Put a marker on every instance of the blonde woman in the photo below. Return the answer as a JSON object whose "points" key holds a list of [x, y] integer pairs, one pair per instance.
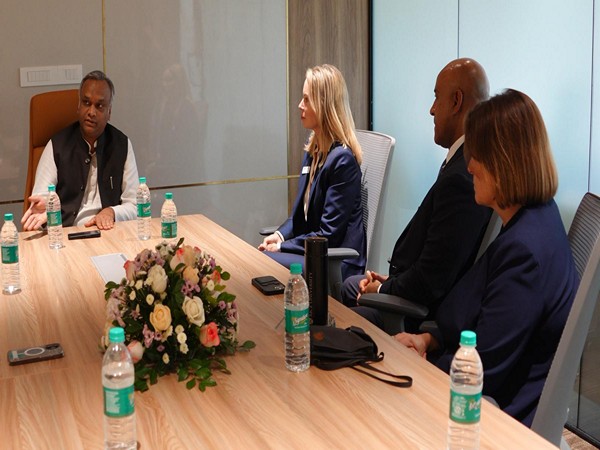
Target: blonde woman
{"points": [[328, 203]]}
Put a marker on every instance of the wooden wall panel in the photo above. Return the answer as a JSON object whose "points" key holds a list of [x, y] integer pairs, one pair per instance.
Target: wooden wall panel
{"points": [[319, 32]]}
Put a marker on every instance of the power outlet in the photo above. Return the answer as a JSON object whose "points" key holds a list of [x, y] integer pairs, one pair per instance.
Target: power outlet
{"points": [[51, 75]]}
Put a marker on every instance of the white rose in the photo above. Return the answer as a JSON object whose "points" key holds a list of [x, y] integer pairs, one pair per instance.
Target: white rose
{"points": [[210, 285], [136, 349], [183, 348], [132, 295], [165, 358], [194, 310], [181, 338], [157, 279], [138, 284], [150, 299], [178, 329]]}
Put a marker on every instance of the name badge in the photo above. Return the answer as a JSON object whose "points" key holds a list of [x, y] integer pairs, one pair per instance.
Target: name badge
{"points": [[305, 169]]}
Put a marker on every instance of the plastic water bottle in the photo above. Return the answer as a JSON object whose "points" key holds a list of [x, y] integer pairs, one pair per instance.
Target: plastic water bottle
{"points": [[117, 382], [11, 283], [168, 217], [297, 321], [144, 210], [55, 231], [466, 383]]}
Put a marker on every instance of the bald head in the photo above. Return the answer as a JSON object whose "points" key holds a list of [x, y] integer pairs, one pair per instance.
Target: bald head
{"points": [[468, 75], [460, 86]]}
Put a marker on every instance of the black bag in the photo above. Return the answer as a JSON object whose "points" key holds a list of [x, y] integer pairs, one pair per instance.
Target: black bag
{"points": [[332, 348]]}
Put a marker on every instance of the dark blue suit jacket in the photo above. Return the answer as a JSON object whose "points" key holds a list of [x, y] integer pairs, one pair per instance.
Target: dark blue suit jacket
{"points": [[516, 298], [441, 241], [334, 211]]}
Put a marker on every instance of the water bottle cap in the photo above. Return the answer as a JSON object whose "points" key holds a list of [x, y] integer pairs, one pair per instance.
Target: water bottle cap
{"points": [[142, 180], [295, 268], [468, 338], [116, 334], [168, 195], [8, 216], [51, 188]]}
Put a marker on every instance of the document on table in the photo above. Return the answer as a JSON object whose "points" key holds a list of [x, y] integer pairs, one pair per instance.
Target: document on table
{"points": [[110, 267]]}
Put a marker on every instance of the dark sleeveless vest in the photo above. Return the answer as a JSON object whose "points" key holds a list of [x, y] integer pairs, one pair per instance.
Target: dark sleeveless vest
{"points": [[72, 159]]}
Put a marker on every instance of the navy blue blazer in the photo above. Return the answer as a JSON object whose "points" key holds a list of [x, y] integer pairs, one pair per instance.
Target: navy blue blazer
{"points": [[334, 211], [441, 241], [516, 298]]}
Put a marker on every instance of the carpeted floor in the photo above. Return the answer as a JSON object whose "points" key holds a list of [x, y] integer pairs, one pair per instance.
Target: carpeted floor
{"points": [[576, 443]]}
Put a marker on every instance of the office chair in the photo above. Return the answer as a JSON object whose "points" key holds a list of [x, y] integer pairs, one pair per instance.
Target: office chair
{"points": [[377, 149], [584, 238], [49, 113], [395, 309]]}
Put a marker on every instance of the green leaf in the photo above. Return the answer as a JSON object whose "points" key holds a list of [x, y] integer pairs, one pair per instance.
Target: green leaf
{"points": [[246, 346], [190, 384], [225, 276], [182, 373]]}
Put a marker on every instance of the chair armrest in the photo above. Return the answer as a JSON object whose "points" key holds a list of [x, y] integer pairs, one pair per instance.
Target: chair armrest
{"points": [[341, 253], [395, 304], [428, 326], [267, 231]]}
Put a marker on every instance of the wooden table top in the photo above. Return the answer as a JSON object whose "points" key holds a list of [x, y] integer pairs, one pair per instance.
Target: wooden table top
{"points": [[58, 404]]}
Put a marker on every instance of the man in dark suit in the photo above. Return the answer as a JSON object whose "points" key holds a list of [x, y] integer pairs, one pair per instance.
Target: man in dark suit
{"points": [[442, 239]]}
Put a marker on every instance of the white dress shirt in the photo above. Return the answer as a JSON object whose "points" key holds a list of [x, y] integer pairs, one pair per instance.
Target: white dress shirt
{"points": [[91, 204]]}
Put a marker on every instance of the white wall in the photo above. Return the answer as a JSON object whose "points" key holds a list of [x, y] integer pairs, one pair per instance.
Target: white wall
{"points": [[542, 47], [200, 90]]}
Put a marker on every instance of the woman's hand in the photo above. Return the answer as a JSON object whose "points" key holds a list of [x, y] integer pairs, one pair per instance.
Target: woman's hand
{"points": [[270, 243], [420, 343]]}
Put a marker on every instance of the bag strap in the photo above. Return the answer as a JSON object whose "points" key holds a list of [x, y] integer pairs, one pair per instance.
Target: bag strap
{"points": [[406, 383]]}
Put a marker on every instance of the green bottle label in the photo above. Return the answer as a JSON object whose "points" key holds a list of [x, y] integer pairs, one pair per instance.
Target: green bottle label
{"points": [[10, 254], [54, 218], [168, 230], [296, 321], [144, 210], [118, 402], [465, 408]]}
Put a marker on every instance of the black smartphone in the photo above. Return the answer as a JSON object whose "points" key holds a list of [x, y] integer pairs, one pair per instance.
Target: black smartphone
{"points": [[84, 234], [268, 285], [34, 354]]}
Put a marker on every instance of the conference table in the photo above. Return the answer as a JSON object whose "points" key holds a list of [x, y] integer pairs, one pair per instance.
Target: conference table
{"points": [[58, 404]]}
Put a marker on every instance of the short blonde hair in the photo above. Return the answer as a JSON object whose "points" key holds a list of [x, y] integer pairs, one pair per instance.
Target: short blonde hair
{"points": [[328, 95], [507, 135]]}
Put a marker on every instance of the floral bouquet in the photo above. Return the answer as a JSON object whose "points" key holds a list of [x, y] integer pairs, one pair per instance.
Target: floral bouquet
{"points": [[176, 315]]}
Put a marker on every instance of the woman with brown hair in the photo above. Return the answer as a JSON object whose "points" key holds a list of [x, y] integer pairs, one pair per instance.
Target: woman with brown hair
{"points": [[518, 295]]}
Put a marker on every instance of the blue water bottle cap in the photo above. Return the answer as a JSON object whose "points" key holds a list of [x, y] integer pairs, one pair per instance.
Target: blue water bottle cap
{"points": [[51, 188], [168, 195], [468, 338], [116, 334], [8, 216], [295, 268], [142, 180]]}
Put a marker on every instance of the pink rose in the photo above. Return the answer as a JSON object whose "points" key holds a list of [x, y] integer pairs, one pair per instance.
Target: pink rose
{"points": [[136, 350], [209, 335], [185, 255], [129, 270]]}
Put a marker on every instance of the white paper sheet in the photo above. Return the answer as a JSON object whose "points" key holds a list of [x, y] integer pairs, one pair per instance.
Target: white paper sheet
{"points": [[110, 267]]}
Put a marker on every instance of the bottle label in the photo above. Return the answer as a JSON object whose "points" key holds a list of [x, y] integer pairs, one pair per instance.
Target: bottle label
{"points": [[118, 402], [465, 408], [144, 210], [168, 230], [296, 322], [54, 218], [10, 254]]}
